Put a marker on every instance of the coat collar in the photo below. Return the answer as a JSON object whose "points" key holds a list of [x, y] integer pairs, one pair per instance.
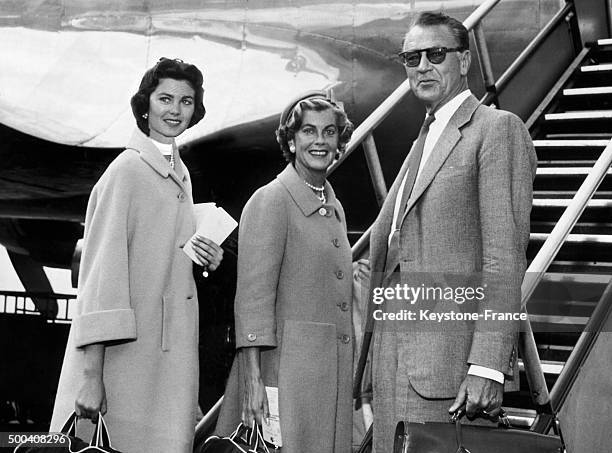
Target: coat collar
{"points": [[301, 194], [442, 149], [152, 156]]}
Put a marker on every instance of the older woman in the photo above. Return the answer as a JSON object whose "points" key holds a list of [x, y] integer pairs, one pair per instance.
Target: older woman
{"points": [[133, 345], [293, 300]]}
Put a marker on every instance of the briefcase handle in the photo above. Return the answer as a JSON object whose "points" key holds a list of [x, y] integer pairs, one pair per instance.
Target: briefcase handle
{"points": [[503, 421]]}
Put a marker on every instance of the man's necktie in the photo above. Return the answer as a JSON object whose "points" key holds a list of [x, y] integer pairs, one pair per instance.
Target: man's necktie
{"points": [[414, 161]]}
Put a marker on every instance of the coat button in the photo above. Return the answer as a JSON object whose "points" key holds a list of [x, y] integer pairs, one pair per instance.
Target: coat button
{"points": [[336, 242], [344, 338], [251, 337], [344, 306], [181, 196], [322, 211], [339, 274]]}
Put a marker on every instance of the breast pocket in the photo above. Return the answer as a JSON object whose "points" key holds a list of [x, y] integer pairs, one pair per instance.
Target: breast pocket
{"points": [[449, 171]]}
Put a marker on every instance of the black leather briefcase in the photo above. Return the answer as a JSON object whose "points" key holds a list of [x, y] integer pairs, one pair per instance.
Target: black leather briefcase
{"points": [[453, 437]]}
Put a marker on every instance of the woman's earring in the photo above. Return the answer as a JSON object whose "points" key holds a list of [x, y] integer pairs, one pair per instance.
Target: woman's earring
{"points": [[292, 148], [338, 155], [145, 115]]}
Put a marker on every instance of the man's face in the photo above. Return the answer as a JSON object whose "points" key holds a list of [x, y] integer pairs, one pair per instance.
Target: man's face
{"points": [[436, 84]]}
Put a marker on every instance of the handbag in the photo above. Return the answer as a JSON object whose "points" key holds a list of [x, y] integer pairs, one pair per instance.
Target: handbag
{"points": [[66, 441], [242, 440], [453, 437]]}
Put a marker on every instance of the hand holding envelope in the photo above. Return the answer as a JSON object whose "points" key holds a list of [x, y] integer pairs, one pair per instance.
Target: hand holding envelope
{"points": [[213, 226]]}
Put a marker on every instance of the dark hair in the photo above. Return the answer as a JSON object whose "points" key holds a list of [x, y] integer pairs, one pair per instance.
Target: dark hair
{"points": [[292, 116], [167, 68], [429, 19]]}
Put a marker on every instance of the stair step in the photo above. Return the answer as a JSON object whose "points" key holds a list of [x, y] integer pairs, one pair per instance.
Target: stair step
{"points": [[596, 68], [595, 267], [546, 226], [566, 171], [567, 277], [548, 163], [579, 135], [584, 115], [559, 320], [569, 194], [561, 309], [555, 347], [576, 238], [564, 203], [569, 143], [519, 417], [589, 91]]}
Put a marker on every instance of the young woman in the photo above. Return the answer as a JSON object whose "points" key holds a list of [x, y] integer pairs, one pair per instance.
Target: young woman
{"points": [[132, 349]]}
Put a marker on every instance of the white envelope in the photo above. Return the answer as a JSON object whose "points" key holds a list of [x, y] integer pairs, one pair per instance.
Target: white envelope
{"points": [[212, 222], [271, 430]]}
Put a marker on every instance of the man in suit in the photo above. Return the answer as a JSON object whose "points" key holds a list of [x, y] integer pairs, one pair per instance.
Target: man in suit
{"points": [[460, 204]]}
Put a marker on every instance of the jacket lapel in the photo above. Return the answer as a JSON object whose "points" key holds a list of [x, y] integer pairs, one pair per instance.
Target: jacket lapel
{"points": [[302, 195], [442, 149], [154, 158], [383, 224]]}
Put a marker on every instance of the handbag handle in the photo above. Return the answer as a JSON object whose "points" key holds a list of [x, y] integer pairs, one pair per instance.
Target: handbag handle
{"points": [[254, 437], [69, 427], [100, 437]]}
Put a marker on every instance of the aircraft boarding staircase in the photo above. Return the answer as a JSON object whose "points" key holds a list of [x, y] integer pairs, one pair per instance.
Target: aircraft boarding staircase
{"points": [[571, 128], [570, 249]]}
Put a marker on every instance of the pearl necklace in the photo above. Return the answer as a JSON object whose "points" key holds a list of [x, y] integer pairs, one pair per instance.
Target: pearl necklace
{"points": [[319, 191]]}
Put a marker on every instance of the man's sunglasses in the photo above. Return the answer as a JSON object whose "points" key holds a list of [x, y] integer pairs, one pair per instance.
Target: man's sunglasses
{"points": [[435, 55]]}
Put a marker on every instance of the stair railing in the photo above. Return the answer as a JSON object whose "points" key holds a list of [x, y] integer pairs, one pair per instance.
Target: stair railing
{"points": [[544, 258], [580, 353]]}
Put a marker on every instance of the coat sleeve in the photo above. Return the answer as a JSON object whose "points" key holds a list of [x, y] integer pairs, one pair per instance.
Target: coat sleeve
{"points": [[104, 310], [261, 246], [507, 165]]}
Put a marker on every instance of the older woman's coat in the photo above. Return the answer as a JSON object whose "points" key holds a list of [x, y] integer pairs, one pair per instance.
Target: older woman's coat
{"points": [[294, 302], [137, 295]]}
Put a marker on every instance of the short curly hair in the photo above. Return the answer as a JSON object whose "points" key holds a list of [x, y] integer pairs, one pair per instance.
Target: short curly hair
{"points": [[292, 116], [167, 68]]}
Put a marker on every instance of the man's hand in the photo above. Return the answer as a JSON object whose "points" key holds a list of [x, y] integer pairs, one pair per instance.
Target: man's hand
{"points": [[479, 395]]}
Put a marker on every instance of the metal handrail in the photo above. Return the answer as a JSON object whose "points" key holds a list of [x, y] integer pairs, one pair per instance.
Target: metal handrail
{"points": [[208, 421], [372, 121], [50, 312], [532, 46]]}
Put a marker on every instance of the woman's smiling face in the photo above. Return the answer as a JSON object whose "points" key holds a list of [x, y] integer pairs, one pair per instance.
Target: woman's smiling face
{"points": [[171, 107], [316, 142]]}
